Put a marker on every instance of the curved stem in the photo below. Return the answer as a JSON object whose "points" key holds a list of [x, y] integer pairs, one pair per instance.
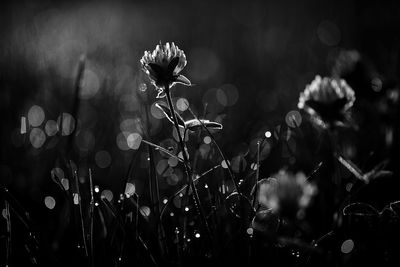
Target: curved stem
{"points": [[220, 152], [186, 161]]}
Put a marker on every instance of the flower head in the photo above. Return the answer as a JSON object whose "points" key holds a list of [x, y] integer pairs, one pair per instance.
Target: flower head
{"points": [[327, 100], [163, 66], [286, 193]]}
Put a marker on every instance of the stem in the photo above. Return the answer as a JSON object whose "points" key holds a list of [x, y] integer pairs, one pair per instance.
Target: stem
{"points": [[185, 187], [257, 176], [9, 244], [81, 214], [91, 217], [220, 152], [186, 162]]}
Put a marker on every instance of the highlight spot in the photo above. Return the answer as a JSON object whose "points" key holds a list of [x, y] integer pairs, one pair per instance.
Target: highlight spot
{"points": [[182, 104], [50, 202], [145, 211], [130, 189], [37, 137], [35, 116], [51, 127], [134, 140], [347, 246], [107, 194]]}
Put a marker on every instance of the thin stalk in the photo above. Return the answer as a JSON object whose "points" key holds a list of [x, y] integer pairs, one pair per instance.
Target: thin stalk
{"points": [[9, 244], [257, 176], [81, 214], [157, 147], [155, 191], [91, 218], [185, 187], [232, 176], [186, 162]]}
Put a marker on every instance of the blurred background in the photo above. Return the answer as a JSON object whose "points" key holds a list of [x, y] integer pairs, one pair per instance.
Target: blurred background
{"points": [[248, 61]]}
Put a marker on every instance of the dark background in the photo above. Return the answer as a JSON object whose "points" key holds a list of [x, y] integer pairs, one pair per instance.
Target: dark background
{"points": [[261, 53]]}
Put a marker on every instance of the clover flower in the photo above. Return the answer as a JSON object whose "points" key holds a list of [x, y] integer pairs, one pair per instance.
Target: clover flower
{"points": [[163, 66], [288, 194], [327, 100]]}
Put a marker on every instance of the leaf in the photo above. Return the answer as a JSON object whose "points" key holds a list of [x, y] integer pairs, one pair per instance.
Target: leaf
{"points": [[165, 109], [183, 80], [160, 94], [195, 124]]}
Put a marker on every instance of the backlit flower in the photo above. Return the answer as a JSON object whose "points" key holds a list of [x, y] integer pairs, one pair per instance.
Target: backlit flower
{"points": [[163, 66], [327, 100], [287, 193]]}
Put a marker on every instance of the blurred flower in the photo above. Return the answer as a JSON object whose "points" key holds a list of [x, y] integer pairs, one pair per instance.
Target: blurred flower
{"points": [[287, 194], [327, 100], [345, 63], [163, 66]]}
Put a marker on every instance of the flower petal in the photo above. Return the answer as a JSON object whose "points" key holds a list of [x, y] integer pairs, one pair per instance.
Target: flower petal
{"points": [[172, 65], [158, 70]]}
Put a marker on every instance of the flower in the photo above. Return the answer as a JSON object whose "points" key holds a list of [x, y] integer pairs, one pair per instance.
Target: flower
{"points": [[327, 100], [287, 193], [163, 66]]}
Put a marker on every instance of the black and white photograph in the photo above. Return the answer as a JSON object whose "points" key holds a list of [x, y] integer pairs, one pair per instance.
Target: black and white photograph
{"points": [[199, 133]]}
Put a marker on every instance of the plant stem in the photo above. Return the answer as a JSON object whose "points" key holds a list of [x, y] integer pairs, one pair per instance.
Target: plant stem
{"points": [[186, 162]]}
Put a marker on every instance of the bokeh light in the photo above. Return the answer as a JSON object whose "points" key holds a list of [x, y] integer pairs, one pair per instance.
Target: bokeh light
{"points": [[51, 127], [36, 116], [65, 184], [23, 125], [347, 246], [182, 104], [130, 125], [293, 119], [50, 202], [121, 141], [90, 84], [173, 162], [130, 189], [227, 95], [207, 140], [103, 159], [145, 211], [134, 140], [224, 164], [37, 137], [107, 194], [67, 123]]}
